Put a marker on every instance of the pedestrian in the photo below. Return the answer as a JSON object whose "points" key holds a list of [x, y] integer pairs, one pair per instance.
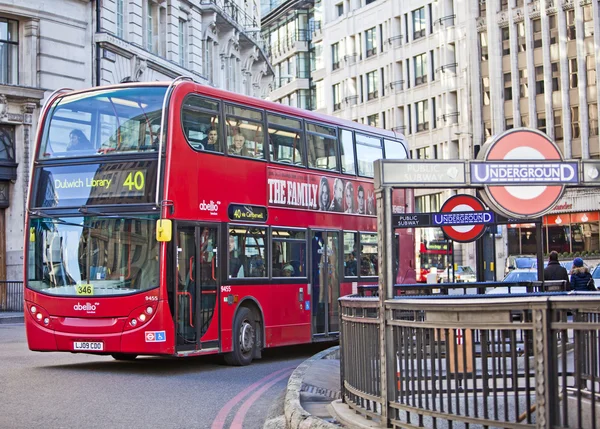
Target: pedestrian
{"points": [[555, 271], [581, 279]]}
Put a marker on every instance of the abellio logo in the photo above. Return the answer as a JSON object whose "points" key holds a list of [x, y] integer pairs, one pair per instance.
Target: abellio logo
{"points": [[211, 206], [85, 307]]}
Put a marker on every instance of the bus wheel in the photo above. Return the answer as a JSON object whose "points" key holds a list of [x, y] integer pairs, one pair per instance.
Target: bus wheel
{"points": [[123, 356], [244, 339]]}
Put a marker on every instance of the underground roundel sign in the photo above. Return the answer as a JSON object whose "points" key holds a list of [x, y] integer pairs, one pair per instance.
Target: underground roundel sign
{"points": [[523, 173], [463, 233]]}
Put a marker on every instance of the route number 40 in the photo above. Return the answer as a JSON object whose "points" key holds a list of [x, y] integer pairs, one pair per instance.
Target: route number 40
{"points": [[134, 180]]}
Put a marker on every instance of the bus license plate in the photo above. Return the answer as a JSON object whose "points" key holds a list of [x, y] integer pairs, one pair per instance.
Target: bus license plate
{"points": [[95, 346]]}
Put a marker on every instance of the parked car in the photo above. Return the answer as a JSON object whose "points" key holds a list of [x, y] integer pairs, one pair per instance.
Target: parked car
{"points": [[516, 275], [596, 276], [463, 273], [519, 261]]}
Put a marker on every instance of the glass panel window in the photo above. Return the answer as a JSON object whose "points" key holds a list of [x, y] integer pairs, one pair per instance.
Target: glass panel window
{"points": [[368, 149], [573, 81], [372, 87], [347, 152], [483, 45], [575, 122], [350, 262], [394, 149], [285, 139], [244, 132], [337, 97], [200, 123], [593, 114], [591, 70], [373, 120], [127, 120], [368, 255], [7, 143], [421, 110], [420, 62], [289, 253], [247, 252], [120, 17], [418, 17], [371, 41], [322, 147], [116, 256], [182, 43], [9, 51], [335, 56]]}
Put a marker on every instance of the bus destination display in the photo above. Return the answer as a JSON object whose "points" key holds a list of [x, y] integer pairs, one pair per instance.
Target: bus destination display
{"points": [[131, 182]]}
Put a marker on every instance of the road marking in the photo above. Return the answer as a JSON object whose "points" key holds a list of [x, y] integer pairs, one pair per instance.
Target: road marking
{"points": [[219, 421], [238, 420]]}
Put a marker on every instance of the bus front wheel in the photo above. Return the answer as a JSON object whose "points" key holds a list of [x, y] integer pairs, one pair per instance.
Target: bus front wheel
{"points": [[244, 338], [123, 356]]}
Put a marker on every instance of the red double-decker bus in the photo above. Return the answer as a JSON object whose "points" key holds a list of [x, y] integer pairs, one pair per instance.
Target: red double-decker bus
{"points": [[178, 219]]}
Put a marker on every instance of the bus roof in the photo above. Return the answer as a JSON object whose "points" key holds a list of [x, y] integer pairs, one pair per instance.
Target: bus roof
{"points": [[257, 103]]}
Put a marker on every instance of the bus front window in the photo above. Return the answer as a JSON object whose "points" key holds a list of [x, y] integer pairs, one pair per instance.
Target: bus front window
{"points": [[74, 256], [104, 121]]}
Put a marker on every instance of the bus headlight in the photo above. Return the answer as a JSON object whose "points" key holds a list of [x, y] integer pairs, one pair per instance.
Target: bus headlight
{"points": [[40, 315], [133, 322]]}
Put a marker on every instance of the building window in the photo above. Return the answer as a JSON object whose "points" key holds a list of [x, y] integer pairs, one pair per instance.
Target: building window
{"points": [[525, 121], [555, 77], [182, 43], [120, 18], [505, 41], [537, 33], [482, 8], [503, 4], [553, 29], [483, 46], [337, 98], [541, 122], [372, 85], [523, 84], [593, 115], [509, 124], [373, 120], [485, 83], [335, 56], [7, 143], [420, 62], [339, 9], [418, 23], [371, 41], [591, 70], [302, 71], [575, 122], [571, 33], [150, 25], [303, 99], [573, 73], [208, 59], [9, 51], [539, 80], [507, 87], [521, 37], [422, 115], [558, 128]]}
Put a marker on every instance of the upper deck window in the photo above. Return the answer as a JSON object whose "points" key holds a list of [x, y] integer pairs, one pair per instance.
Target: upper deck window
{"points": [[244, 129], [322, 147], [285, 140], [368, 149], [394, 149], [200, 122], [104, 121], [347, 152]]}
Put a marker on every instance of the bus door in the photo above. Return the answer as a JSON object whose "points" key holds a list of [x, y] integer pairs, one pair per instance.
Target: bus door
{"points": [[198, 282], [325, 280]]}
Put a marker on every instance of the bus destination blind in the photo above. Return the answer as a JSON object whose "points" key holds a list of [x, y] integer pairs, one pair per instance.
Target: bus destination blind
{"points": [[131, 182]]}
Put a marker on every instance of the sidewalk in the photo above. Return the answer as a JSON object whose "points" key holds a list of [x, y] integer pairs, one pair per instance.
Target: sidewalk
{"points": [[312, 399], [11, 317]]}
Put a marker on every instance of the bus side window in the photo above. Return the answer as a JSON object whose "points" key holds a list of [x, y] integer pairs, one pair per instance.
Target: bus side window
{"points": [[245, 136], [200, 123], [322, 147], [285, 140]]}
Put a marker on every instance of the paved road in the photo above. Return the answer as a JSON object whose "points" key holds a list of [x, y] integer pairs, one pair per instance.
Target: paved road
{"points": [[62, 390]]}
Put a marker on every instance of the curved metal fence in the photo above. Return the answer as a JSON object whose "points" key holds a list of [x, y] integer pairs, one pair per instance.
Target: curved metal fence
{"points": [[489, 361]]}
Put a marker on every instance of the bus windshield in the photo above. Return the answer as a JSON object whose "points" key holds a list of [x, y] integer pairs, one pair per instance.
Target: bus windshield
{"points": [[104, 121], [73, 256]]}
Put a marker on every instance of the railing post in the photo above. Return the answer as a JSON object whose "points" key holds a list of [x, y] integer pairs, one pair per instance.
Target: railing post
{"points": [[545, 366], [386, 291]]}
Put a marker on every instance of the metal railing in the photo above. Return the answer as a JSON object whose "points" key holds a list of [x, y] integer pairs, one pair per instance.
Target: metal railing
{"points": [[492, 361], [11, 296]]}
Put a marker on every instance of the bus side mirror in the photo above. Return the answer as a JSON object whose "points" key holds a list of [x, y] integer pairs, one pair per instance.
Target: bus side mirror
{"points": [[164, 229]]}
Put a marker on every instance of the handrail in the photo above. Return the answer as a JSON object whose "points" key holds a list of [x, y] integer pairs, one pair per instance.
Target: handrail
{"points": [[445, 18], [447, 66], [162, 130]]}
